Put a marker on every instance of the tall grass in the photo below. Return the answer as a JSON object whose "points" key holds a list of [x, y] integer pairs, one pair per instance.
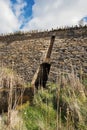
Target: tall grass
{"points": [[61, 106], [9, 95]]}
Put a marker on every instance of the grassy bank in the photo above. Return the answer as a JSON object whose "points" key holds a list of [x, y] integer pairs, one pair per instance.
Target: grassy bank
{"points": [[61, 106]]}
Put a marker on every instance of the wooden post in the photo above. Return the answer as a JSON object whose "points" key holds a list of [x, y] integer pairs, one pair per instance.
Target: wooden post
{"points": [[47, 59]]}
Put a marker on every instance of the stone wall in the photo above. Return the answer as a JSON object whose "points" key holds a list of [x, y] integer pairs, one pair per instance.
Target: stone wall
{"points": [[62, 33], [24, 52], [69, 54]]}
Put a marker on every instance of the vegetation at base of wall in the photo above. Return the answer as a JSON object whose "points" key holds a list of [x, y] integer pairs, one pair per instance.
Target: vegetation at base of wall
{"points": [[62, 106]]}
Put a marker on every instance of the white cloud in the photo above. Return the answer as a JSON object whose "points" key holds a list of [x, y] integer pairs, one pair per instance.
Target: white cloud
{"points": [[10, 20], [49, 14]]}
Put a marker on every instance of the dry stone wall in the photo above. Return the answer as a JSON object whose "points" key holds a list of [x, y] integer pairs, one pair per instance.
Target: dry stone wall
{"points": [[24, 52], [24, 56], [62, 33], [69, 54]]}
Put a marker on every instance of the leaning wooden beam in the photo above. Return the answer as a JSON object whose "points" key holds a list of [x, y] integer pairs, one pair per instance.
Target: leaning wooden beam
{"points": [[41, 76], [48, 55]]}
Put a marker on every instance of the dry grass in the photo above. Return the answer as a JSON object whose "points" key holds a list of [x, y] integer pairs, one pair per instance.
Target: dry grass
{"points": [[10, 96], [71, 102]]}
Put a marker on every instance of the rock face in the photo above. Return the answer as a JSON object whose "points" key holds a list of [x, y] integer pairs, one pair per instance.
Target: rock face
{"points": [[25, 52]]}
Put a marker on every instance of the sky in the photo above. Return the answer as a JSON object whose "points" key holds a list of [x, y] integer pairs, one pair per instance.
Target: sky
{"points": [[26, 15]]}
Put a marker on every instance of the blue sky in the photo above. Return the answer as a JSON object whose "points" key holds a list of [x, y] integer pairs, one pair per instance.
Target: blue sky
{"points": [[27, 8], [26, 15]]}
